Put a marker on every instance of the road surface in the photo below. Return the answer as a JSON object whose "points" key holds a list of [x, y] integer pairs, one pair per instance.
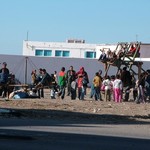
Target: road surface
{"points": [[69, 134]]}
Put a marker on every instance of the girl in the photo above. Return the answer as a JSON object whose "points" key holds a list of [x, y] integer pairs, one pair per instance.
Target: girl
{"points": [[117, 88]]}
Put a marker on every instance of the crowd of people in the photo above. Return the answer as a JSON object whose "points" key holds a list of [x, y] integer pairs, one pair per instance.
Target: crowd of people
{"points": [[114, 88], [70, 79]]}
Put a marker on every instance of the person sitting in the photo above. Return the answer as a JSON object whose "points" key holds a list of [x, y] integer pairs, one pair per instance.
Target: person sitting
{"points": [[114, 60], [133, 50], [23, 93], [18, 94], [103, 57]]}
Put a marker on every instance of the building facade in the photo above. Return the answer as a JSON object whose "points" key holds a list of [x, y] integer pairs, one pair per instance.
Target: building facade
{"points": [[70, 49], [73, 48]]}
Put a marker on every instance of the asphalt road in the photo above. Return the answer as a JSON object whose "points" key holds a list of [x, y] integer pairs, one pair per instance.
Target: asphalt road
{"points": [[65, 134]]}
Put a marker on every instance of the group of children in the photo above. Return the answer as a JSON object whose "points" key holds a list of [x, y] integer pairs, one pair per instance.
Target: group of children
{"points": [[110, 86], [118, 88]]}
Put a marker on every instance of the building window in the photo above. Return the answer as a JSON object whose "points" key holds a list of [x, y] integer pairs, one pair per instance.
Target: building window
{"points": [[66, 53], [90, 54], [61, 53], [38, 52], [47, 52], [58, 53]]}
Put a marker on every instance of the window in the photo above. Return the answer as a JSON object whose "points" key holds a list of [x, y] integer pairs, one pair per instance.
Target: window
{"points": [[90, 54], [47, 52], [62, 53], [58, 53], [66, 53], [38, 52]]}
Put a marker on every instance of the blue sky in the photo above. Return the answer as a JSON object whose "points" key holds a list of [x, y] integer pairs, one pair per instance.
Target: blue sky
{"points": [[95, 21]]}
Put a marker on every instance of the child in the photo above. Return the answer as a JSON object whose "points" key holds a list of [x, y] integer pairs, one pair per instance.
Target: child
{"points": [[73, 89], [97, 83], [107, 84], [117, 86]]}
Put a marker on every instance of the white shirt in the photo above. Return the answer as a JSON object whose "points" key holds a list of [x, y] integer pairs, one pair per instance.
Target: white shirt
{"points": [[107, 84], [117, 84]]}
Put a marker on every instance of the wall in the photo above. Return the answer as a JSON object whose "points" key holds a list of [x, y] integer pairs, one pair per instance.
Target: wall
{"points": [[17, 65]]}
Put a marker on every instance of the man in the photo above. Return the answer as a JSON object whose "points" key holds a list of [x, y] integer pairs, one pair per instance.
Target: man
{"points": [[45, 81], [62, 82], [4, 74], [4, 71], [70, 76], [38, 86], [127, 82]]}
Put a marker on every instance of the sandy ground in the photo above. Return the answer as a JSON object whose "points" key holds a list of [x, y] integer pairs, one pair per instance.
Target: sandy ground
{"points": [[47, 107]]}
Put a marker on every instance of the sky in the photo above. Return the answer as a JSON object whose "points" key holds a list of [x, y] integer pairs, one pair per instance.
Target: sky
{"points": [[95, 21]]}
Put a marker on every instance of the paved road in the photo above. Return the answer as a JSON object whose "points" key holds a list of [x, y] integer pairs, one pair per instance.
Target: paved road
{"points": [[37, 134]]}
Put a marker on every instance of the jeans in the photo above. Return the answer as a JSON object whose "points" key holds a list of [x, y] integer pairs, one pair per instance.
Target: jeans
{"points": [[81, 93], [41, 92], [97, 93], [92, 93], [126, 90], [62, 92]]}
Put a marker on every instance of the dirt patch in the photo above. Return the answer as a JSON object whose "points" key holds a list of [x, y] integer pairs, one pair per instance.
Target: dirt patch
{"points": [[87, 108]]}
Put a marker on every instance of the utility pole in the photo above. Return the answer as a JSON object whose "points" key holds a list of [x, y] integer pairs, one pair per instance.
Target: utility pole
{"points": [[26, 66]]}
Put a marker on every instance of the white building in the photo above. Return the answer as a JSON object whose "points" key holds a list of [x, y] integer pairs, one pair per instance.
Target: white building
{"points": [[70, 49]]}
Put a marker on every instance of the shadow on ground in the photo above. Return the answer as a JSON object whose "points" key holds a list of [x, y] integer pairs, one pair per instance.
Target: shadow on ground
{"points": [[76, 117]]}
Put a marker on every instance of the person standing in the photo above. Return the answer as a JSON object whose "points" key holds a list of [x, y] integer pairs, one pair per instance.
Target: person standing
{"points": [[40, 89], [73, 89], [70, 76], [4, 74], [140, 89], [127, 82], [117, 88], [53, 87], [82, 80], [97, 83], [108, 85], [62, 82], [33, 78], [147, 85]]}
